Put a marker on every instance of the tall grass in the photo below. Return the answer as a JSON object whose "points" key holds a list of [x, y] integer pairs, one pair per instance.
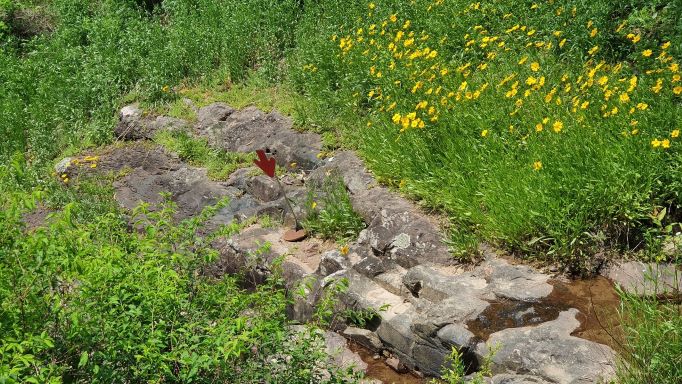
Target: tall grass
{"points": [[550, 127], [64, 88], [653, 336]]}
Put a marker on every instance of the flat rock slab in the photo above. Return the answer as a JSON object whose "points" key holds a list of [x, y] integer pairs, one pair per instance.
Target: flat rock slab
{"points": [[549, 351], [646, 279], [250, 129]]}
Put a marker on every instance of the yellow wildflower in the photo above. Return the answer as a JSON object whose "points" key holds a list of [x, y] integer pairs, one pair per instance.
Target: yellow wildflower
{"points": [[665, 143], [594, 32], [624, 98], [396, 118], [655, 143], [647, 53], [539, 127], [484, 133], [537, 165], [677, 90], [675, 133], [535, 66], [558, 126], [665, 45]]}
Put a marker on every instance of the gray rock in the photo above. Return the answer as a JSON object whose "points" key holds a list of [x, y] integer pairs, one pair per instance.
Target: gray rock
{"points": [[63, 165], [456, 335], [164, 122], [332, 261], [518, 379], [263, 188], [133, 124], [341, 355], [250, 129], [406, 238], [371, 266], [454, 309], [212, 114], [426, 282], [429, 358], [516, 282], [646, 279], [364, 337], [396, 332], [549, 351]]}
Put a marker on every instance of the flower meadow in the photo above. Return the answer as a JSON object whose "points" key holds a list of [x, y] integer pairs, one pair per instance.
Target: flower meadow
{"points": [[546, 126]]}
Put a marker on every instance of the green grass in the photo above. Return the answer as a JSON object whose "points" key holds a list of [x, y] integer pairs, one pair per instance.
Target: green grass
{"points": [[653, 336], [491, 128], [330, 213], [196, 151]]}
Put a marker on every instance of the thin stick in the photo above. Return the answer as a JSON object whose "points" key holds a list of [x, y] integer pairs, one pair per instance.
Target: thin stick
{"points": [[286, 199]]}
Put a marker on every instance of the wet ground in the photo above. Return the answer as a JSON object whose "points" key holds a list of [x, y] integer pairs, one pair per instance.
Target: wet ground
{"points": [[595, 298], [378, 370]]}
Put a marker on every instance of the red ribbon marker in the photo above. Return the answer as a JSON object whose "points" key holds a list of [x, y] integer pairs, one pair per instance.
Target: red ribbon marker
{"points": [[265, 163]]}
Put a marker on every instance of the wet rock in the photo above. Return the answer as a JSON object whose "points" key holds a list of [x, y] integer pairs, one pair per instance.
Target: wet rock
{"points": [[549, 351], [364, 337], [212, 114], [396, 364], [646, 279]]}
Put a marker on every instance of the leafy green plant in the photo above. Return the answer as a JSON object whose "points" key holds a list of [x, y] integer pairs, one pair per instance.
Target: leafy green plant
{"points": [[330, 212], [363, 316], [454, 369], [84, 299]]}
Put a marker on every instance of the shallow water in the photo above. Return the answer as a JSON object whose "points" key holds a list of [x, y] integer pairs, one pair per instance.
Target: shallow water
{"points": [[595, 298], [377, 369]]}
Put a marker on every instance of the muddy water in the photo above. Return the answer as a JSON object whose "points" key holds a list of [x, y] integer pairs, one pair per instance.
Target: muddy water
{"points": [[596, 299], [378, 370]]}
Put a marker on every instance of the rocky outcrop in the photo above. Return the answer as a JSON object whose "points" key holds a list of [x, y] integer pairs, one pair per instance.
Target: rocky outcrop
{"points": [[399, 267]]}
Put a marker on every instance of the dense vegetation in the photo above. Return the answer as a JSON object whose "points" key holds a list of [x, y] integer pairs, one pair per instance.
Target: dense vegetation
{"points": [[552, 128]]}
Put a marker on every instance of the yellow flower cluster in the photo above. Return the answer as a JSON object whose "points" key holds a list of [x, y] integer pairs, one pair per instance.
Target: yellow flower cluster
{"points": [[412, 86]]}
